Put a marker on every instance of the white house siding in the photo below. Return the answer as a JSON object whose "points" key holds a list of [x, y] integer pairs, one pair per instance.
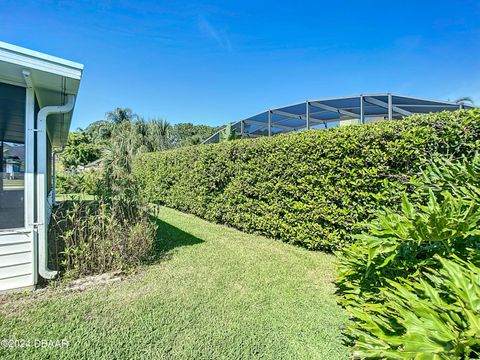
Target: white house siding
{"points": [[16, 260]]}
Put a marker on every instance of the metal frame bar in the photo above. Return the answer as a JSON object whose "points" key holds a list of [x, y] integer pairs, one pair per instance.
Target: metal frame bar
{"points": [[29, 176], [390, 107], [266, 125], [295, 116], [29, 151], [383, 104], [269, 123], [307, 110], [285, 113], [291, 128], [427, 106], [333, 109], [362, 110]]}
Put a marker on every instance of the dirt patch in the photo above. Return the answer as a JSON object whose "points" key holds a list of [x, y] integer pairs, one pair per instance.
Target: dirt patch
{"points": [[94, 280], [15, 302]]}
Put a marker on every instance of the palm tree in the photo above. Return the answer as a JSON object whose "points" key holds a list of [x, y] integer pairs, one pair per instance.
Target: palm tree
{"points": [[195, 140], [129, 139], [463, 100], [228, 133], [159, 134], [120, 115], [100, 130]]}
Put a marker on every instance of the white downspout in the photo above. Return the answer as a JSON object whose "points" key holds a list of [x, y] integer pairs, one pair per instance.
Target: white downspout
{"points": [[41, 177], [54, 174]]}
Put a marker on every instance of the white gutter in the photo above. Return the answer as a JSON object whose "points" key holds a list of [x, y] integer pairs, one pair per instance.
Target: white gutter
{"points": [[41, 182], [36, 60]]}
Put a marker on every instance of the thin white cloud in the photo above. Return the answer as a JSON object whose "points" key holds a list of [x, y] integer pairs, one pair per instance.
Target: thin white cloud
{"points": [[208, 30]]}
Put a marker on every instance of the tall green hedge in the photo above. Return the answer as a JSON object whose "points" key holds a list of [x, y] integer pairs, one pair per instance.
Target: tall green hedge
{"points": [[308, 188]]}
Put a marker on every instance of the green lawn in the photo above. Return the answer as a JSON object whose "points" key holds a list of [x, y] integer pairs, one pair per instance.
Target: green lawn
{"points": [[216, 294], [12, 184]]}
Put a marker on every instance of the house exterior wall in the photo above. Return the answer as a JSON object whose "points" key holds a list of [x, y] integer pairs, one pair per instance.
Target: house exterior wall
{"points": [[39, 81], [16, 260]]}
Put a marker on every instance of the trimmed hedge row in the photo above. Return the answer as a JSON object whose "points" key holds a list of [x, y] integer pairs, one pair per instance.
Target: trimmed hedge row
{"points": [[307, 188]]}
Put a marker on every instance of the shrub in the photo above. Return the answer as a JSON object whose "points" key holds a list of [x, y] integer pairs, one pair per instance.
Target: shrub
{"points": [[435, 317], [308, 188], [114, 232], [402, 244], [96, 237], [411, 281], [82, 183]]}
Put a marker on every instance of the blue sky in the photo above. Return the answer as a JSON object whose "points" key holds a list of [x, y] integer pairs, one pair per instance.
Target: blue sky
{"points": [[215, 62]]}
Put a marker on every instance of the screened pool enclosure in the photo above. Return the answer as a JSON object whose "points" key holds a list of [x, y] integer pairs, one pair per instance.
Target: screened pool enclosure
{"points": [[327, 113]]}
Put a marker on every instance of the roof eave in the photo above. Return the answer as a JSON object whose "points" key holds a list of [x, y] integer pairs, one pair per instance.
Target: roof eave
{"points": [[39, 61]]}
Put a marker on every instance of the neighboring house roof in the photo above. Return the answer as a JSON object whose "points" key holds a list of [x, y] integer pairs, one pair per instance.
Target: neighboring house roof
{"points": [[52, 78], [90, 166], [17, 152], [94, 164]]}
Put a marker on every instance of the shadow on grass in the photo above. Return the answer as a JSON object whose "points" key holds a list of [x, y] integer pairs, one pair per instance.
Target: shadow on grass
{"points": [[170, 238]]}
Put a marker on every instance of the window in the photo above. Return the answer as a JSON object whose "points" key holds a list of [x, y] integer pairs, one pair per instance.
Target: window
{"points": [[12, 156]]}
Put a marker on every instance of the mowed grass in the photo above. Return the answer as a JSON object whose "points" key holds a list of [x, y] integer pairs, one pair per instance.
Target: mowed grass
{"points": [[216, 293]]}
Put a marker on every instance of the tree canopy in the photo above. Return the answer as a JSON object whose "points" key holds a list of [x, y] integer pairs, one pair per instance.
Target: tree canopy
{"points": [[80, 150], [124, 133]]}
